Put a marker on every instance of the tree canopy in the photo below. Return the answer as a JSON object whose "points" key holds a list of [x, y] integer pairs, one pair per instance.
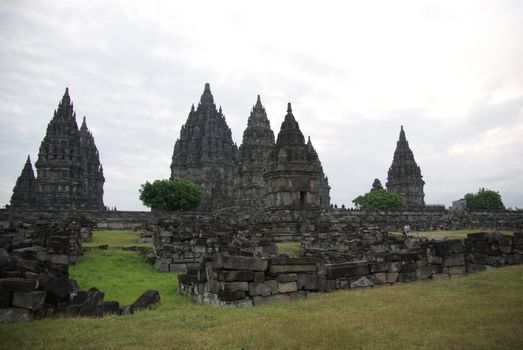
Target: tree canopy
{"points": [[379, 199], [484, 200], [177, 194]]}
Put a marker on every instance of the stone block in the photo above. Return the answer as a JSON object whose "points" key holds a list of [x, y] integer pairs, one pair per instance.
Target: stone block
{"points": [[455, 246], [59, 259], [278, 269], [240, 263], [177, 267], [379, 278], [392, 277], [440, 276], [18, 284], [235, 275], [259, 276], [348, 270], [342, 283], [15, 315], [361, 282], [425, 271], [331, 285], [231, 296], [29, 300], [146, 300], [287, 287], [394, 266], [481, 259], [293, 261], [479, 236], [454, 260], [289, 277], [514, 259], [5, 259], [321, 268], [480, 247], [407, 276], [379, 267], [161, 267], [264, 288], [434, 259], [472, 268], [233, 286], [312, 282], [505, 249], [5, 298], [420, 263]]}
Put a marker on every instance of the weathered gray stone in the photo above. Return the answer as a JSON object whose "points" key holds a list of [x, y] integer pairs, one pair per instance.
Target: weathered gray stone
{"points": [[240, 263], [29, 300], [18, 284], [264, 288], [454, 260], [289, 277], [347, 270], [279, 269], [287, 287], [392, 277], [456, 270], [15, 315], [440, 276], [235, 275], [312, 282], [361, 282], [379, 278]]}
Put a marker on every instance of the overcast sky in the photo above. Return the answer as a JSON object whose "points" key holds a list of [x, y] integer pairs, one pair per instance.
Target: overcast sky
{"points": [[451, 72]]}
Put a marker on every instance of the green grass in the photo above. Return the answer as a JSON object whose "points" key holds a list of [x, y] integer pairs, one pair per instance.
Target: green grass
{"points": [[291, 248], [481, 311], [116, 239], [451, 234]]}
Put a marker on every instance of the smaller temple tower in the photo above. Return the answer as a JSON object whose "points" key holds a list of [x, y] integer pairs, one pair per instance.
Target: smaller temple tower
{"points": [[293, 175], [404, 176], [258, 141], [25, 188], [93, 179]]}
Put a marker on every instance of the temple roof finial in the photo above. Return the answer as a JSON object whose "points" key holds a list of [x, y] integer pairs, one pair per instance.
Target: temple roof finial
{"points": [[289, 108]]}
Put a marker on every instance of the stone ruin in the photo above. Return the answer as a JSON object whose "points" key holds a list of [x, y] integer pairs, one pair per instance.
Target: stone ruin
{"points": [[34, 273]]}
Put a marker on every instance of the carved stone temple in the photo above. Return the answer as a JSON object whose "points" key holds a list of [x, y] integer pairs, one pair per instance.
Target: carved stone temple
{"points": [[261, 174], [404, 175], [206, 154], [69, 173]]}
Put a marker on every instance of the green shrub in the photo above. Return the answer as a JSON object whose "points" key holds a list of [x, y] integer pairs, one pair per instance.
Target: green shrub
{"points": [[171, 195], [484, 200], [379, 200]]}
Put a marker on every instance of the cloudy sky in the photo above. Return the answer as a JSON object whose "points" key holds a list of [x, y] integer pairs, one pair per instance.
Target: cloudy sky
{"points": [[451, 72]]}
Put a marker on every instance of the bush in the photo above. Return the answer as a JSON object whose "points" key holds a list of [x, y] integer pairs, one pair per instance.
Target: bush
{"points": [[171, 195], [484, 200], [379, 200]]}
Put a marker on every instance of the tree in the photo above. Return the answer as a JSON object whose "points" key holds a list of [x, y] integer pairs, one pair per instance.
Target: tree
{"points": [[171, 195], [379, 200], [484, 200]]}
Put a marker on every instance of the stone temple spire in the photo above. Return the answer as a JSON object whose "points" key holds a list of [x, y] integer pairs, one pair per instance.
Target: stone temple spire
{"points": [[205, 153], [293, 173], [404, 175], [25, 188], [258, 140], [93, 172]]}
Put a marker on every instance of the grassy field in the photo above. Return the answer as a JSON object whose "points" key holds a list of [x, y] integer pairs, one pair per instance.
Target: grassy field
{"points": [[290, 248], [115, 239], [448, 233], [481, 311]]}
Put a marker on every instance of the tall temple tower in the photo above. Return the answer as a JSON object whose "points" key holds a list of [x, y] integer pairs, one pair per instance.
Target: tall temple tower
{"points": [[324, 187], [258, 141], [24, 190], [69, 174], [205, 153], [293, 175], [93, 179], [60, 163], [404, 176]]}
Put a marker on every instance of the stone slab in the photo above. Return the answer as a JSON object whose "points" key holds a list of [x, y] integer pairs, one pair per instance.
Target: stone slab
{"points": [[15, 315], [29, 300]]}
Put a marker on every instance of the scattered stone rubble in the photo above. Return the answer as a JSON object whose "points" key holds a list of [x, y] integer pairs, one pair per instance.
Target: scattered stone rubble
{"points": [[34, 274]]}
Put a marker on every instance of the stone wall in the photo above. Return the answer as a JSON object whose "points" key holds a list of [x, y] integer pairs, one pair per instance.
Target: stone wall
{"points": [[241, 281]]}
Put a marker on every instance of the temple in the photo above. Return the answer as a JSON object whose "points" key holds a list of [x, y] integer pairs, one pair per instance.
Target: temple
{"points": [[262, 175], [404, 175], [205, 153], [69, 173]]}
